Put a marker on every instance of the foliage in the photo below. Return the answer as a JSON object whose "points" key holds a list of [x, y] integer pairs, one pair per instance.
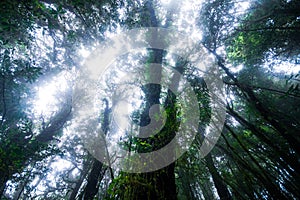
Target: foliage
{"points": [[257, 155]]}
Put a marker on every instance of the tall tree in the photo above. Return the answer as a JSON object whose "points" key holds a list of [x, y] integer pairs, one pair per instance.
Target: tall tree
{"points": [[257, 155]]}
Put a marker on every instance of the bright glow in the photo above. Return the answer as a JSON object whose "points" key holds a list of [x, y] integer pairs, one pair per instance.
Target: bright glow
{"points": [[236, 69], [84, 52], [287, 68], [242, 6], [48, 95], [60, 164], [187, 18], [114, 33], [165, 2]]}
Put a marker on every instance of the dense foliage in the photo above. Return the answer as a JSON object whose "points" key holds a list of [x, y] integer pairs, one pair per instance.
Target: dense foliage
{"points": [[256, 47]]}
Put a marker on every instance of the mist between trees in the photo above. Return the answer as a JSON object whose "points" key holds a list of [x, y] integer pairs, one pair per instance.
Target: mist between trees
{"points": [[55, 145]]}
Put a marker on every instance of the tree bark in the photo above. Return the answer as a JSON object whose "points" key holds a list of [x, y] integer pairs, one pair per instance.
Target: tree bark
{"points": [[3, 179], [98, 169], [78, 184], [158, 184], [91, 188], [222, 189]]}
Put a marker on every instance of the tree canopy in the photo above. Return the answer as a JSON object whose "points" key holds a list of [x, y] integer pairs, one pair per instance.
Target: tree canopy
{"points": [[48, 149]]}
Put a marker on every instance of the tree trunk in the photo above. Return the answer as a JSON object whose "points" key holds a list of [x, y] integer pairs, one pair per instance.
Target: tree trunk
{"points": [[3, 180], [78, 184], [158, 184], [162, 181], [288, 132], [186, 184], [217, 179], [207, 190], [96, 173], [91, 188]]}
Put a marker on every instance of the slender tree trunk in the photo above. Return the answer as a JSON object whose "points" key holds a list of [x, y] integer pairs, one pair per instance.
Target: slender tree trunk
{"points": [[220, 185], [78, 184], [91, 188], [186, 184], [207, 191], [288, 132], [96, 173], [273, 189], [3, 180], [21, 187]]}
